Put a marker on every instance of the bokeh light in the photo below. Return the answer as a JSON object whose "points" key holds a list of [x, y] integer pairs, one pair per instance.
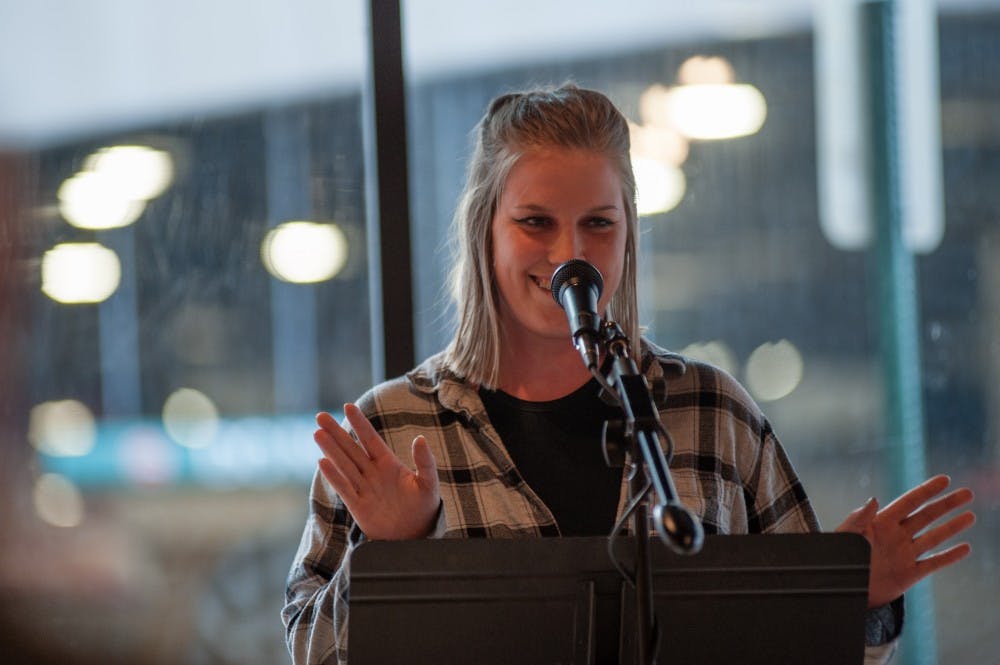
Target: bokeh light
{"points": [[80, 272], [90, 200], [707, 104], [659, 186], [148, 458], [58, 501], [114, 185], [63, 428], [705, 69], [710, 111], [657, 141], [190, 418], [138, 172], [304, 252], [774, 370], [714, 352]]}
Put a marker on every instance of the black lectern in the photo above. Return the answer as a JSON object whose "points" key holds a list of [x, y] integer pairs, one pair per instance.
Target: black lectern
{"points": [[751, 600]]}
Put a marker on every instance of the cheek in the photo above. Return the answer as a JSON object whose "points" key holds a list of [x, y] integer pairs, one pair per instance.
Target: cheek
{"points": [[500, 245]]}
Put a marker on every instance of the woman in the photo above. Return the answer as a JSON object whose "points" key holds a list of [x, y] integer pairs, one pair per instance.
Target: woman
{"points": [[550, 180]]}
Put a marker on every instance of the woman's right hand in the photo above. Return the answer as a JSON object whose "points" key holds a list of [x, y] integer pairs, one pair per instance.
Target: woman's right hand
{"points": [[386, 499]]}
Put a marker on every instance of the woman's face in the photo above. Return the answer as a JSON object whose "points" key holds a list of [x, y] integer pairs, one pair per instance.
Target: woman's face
{"points": [[557, 204]]}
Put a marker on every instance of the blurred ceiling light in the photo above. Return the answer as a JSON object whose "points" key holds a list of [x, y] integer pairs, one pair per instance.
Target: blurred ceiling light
{"points": [[138, 172], [304, 252], [717, 111], [774, 370], [707, 104], [58, 501], [714, 352], [64, 428], [84, 272], [659, 187], [705, 69], [92, 200], [112, 189], [190, 418], [659, 142]]}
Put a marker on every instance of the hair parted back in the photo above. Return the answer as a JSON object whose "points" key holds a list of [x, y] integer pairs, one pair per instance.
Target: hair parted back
{"points": [[563, 117]]}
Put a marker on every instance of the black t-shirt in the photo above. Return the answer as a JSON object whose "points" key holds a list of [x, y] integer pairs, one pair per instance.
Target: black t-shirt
{"points": [[556, 446]]}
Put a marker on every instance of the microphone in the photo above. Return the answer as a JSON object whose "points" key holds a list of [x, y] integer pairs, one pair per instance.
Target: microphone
{"points": [[576, 287]]}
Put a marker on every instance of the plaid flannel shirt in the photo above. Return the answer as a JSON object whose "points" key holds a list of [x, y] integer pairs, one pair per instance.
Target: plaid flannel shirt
{"points": [[728, 468]]}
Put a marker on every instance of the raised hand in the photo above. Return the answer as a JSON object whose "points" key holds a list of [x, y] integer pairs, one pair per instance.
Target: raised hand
{"points": [[386, 499], [900, 537]]}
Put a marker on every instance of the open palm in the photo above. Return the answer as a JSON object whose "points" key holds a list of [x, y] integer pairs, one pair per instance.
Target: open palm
{"points": [[900, 538], [386, 498]]}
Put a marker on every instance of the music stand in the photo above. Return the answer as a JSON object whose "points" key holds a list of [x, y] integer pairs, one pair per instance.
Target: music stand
{"points": [[754, 600]]}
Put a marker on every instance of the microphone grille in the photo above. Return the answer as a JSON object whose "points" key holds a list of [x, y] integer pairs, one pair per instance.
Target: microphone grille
{"points": [[575, 271]]}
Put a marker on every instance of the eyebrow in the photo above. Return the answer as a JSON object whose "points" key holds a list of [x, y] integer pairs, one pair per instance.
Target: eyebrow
{"points": [[534, 207]]}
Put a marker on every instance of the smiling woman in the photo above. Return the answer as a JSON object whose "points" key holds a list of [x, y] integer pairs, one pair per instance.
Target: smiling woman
{"points": [[483, 449]]}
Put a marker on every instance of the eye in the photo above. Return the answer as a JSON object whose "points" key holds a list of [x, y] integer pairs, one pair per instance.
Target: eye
{"points": [[600, 222], [533, 221]]}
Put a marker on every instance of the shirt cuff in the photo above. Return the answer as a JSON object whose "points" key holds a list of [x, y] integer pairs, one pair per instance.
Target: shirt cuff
{"points": [[440, 523], [884, 624]]}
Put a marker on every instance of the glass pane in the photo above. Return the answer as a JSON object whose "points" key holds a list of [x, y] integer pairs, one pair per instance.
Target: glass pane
{"points": [[960, 316], [185, 285], [755, 256]]}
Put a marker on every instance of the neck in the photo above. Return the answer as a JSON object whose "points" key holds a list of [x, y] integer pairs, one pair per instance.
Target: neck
{"points": [[541, 371]]}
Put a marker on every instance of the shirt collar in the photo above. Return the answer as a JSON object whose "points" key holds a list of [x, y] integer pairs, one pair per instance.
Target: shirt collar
{"points": [[456, 394]]}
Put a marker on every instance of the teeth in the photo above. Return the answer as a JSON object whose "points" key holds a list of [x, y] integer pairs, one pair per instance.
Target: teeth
{"points": [[540, 283]]}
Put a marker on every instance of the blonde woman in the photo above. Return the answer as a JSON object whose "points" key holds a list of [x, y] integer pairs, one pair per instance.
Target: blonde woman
{"points": [[550, 180]]}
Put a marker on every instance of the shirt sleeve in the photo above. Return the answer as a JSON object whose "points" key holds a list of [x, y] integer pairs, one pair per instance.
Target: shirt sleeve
{"points": [[316, 594], [883, 626], [776, 501]]}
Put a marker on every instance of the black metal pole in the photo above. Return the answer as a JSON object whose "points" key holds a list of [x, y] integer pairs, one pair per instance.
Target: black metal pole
{"points": [[645, 615], [387, 195], [676, 526]]}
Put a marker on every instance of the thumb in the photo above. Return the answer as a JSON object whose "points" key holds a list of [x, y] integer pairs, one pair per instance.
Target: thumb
{"points": [[859, 520], [424, 460]]}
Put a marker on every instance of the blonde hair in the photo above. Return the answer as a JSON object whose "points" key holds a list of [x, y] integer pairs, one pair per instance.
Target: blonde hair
{"points": [[563, 117]]}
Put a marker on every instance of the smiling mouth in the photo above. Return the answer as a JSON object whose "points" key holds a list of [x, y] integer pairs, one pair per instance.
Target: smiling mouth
{"points": [[540, 283]]}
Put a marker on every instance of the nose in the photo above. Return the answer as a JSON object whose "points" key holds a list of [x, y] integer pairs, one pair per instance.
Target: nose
{"points": [[568, 244]]}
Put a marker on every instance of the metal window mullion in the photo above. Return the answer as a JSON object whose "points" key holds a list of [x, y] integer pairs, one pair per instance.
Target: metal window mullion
{"points": [[898, 307], [387, 194]]}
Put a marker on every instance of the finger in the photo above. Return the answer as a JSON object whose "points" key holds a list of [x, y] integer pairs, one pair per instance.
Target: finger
{"points": [[909, 501], [337, 431], [423, 460], [937, 508], [325, 442], [941, 560], [367, 434], [351, 446], [326, 421], [861, 518], [343, 486], [934, 537], [347, 455]]}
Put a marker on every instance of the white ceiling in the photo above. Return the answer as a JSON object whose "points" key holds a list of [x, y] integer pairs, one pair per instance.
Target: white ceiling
{"points": [[70, 68]]}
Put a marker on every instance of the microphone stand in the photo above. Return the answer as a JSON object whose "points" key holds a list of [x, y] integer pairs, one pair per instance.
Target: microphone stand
{"points": [[641, 429]]}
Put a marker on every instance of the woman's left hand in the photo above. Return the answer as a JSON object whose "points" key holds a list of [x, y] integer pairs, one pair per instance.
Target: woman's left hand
{"points": [[900, 537]]}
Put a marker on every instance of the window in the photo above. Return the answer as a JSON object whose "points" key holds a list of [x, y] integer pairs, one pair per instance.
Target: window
{"points": [[155, 443]]}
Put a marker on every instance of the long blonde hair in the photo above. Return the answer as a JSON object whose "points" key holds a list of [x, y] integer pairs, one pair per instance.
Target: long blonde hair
{"points": [[563, 117]]}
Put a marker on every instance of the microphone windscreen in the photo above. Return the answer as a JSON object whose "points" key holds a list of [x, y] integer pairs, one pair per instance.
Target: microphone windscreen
{"points": [[575, 271]]}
